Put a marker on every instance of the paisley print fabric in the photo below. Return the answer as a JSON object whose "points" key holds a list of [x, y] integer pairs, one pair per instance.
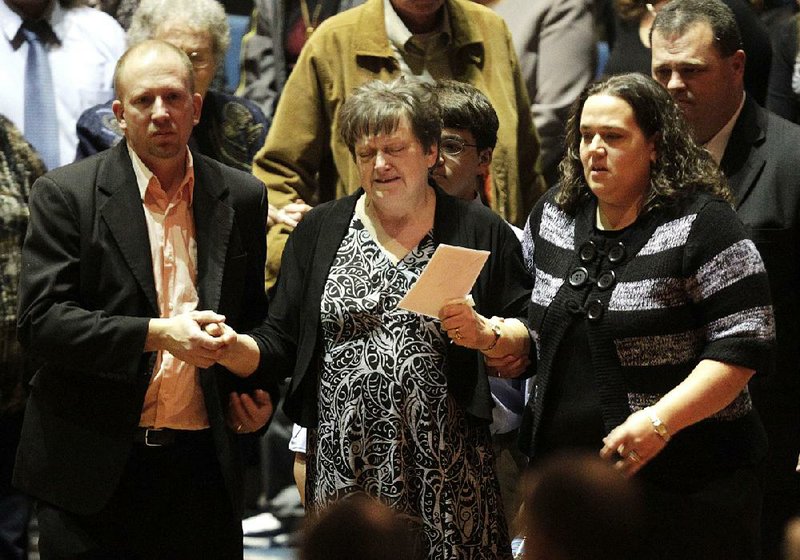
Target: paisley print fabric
{"points": [[387, 425]]}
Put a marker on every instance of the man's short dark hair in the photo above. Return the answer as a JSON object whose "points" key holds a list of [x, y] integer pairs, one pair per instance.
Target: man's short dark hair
{"points": [[678, 16], [465, 106]]}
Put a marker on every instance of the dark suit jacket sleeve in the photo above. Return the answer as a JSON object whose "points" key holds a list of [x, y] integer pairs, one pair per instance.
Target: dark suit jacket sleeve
{"points": [[781, 100], [53, 324], [252, 218]]}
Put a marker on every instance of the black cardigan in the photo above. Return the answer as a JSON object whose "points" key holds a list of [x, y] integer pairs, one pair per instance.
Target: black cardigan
{"points": [[688, 286], [289, 340]]}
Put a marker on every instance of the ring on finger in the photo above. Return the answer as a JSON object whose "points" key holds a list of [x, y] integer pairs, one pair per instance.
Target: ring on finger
{"points": [[458, 334], [238, 427], [634, 457]]}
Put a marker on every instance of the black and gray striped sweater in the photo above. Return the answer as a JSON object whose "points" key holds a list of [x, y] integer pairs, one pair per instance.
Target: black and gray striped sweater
{"points": [[681, 284]]}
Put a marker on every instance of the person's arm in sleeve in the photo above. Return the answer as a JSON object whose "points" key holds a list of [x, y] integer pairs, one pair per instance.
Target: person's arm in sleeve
{"points": [[261, 76], [781, 98], [54, 323], [729, 288], [566, 60], [530, 185], [298, 140]]}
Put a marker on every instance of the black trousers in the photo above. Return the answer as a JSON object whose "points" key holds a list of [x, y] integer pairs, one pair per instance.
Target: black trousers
{"points": [[171, 504], [720, 521]]}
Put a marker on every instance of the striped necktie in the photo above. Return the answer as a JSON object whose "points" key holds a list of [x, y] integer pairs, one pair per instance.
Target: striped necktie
{"points": [[41, 123]]}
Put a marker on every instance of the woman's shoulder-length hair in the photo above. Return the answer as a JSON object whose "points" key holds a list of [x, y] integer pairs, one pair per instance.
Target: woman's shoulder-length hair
{"points": [[681, 167]]}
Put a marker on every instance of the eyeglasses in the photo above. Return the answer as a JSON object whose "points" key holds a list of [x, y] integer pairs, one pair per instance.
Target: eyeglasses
{"points": [[453, 147], [200, 59]]}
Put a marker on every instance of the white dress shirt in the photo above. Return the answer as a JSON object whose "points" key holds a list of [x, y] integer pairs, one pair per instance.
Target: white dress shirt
{"points": [[82, 65]]}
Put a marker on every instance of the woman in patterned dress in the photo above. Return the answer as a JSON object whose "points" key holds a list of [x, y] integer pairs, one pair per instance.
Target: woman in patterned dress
{"points": [[651, 312], [397, 404]]}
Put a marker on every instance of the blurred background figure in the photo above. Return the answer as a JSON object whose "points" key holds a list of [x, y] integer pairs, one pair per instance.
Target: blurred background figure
{"points": [[630, 51], [120, 10], [784, 77], [58, 60], [774, 12], [651, 313], [231, 129], [556, 46], [576, 506], [20, 166], [360, 528], [791, 541], [278, 31]]}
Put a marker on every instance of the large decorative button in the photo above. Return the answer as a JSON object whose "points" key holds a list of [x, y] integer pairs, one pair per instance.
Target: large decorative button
{"points": [[573, 307], [594, 310], [578, 277], [606, 280], [587, 252], [616, 253]]}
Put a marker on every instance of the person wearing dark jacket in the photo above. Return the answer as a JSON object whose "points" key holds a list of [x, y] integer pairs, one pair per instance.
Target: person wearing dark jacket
{"points": [[129, 441], [392, 407], [651, 313]]}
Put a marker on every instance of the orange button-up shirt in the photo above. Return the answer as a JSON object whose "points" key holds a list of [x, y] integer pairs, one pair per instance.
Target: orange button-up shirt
{"points": [[174, 398]]}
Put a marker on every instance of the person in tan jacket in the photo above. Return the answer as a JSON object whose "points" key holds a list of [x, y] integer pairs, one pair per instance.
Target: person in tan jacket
{"points": [[303, 158]]}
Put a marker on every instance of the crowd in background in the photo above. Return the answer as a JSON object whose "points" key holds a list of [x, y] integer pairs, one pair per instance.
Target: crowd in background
{"points": [[578, 339]]}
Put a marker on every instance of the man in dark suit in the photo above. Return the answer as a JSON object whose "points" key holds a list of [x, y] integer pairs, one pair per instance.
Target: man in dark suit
{"points": [[129, 438], [697, 56]]}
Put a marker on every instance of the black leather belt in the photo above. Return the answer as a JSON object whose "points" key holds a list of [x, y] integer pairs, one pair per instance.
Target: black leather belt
{"points": [[162, 437]]}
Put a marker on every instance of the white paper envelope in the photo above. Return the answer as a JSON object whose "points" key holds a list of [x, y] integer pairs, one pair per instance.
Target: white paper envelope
{"points": [[449, 275]]}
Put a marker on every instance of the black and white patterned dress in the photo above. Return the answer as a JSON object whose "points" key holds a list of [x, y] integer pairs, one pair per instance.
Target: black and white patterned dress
{"points": [[387, 424]]}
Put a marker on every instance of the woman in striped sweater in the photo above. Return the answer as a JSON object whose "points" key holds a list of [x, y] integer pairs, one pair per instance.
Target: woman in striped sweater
{"points": [[650, 313]]}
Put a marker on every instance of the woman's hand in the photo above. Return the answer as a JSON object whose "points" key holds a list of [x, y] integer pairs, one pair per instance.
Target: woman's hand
{"points": [[633, 443], [465, 326], [240, 355]]}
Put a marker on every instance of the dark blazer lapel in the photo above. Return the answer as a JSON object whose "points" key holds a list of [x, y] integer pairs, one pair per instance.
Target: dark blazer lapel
{"points": [[743, 162], [213, 222], [120, 204]]}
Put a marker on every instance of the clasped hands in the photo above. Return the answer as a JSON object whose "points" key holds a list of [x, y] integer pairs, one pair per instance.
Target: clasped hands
{"points": [[468, 328], [201, 338]]}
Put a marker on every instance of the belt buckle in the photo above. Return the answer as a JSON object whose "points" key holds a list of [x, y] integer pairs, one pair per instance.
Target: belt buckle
{"points": [[147, 437]]}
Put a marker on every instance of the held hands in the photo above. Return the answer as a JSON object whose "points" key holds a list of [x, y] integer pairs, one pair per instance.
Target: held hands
{"points": [[465, 326], [632, 444], [185, 336], [470, 329], [507, 367], [290, 215]]}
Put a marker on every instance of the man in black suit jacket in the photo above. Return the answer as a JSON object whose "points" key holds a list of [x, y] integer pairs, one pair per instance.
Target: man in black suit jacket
{"points": [[697, 56], [129, 438]]}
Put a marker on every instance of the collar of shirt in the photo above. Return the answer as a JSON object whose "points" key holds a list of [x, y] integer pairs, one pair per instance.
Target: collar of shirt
{"points": [[716, 146], [11, 24], [398, 33], [145, 179]]}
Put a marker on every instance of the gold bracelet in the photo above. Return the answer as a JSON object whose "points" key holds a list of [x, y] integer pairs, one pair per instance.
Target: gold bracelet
{"points": [[497, 334], [659, 426]]}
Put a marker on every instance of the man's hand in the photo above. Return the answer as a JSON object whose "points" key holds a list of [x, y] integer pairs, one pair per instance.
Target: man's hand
{"points": [[508, 366], [248, 413], [184, 336]]}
